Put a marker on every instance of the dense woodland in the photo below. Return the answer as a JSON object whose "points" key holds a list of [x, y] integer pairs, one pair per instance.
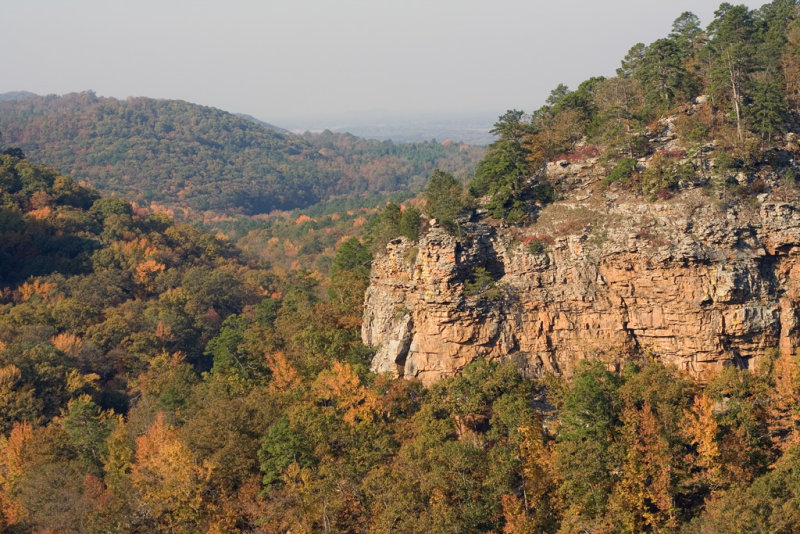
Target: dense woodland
{"points": [[172, 154], [744, 67], [156, 378]]}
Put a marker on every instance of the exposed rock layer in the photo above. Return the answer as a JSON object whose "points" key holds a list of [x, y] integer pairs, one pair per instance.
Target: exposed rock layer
{"points": [[697, 285]]}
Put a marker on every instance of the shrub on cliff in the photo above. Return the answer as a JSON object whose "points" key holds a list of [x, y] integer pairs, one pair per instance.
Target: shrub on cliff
{"points": [[623, 170]]}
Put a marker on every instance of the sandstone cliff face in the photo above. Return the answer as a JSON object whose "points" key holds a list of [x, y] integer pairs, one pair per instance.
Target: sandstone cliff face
{"points": [[694, 283]]}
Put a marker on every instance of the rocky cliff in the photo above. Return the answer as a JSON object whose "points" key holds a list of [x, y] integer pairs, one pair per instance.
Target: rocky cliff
{"points": [[700, 280]]}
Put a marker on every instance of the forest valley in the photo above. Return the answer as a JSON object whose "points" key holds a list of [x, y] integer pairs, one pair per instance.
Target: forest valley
{"points": [[156, 377]]}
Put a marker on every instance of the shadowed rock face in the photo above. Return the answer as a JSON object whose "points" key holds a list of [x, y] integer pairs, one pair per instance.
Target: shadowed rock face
{"points": [[694, 285]]}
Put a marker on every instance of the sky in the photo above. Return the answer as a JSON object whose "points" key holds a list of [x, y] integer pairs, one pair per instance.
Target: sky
{"points": [[285, 60]]}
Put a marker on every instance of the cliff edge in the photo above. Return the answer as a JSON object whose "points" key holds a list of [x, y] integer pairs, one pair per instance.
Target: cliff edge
{"points": [[701, 280]]}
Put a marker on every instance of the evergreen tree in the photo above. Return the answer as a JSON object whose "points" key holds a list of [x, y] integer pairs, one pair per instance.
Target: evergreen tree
{"points": [[732, 58], [443, 198], [506, 168], [663, 74], [768, 109], [687, 34], [632, 61], [586, 458]]}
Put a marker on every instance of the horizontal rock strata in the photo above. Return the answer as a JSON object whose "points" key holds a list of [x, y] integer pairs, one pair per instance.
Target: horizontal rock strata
{"points": [[696, 285]]}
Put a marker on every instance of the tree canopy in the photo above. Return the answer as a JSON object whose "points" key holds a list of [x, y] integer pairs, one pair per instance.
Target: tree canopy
{"points": [[184, 156]]}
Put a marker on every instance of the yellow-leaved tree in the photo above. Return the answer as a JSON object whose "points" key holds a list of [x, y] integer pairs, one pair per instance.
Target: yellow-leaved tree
{"points": [[168, 480], [702, 429], [12, 465]]}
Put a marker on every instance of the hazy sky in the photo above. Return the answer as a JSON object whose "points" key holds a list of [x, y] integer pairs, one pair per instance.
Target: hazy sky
{"points": [[278, 59]]}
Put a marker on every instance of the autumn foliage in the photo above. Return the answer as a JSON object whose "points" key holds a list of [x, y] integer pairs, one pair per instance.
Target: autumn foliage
{"points": [[155, 378]]}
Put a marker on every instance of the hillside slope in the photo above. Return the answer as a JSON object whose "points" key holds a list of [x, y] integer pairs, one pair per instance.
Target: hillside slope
{"points": [[187, 156]]}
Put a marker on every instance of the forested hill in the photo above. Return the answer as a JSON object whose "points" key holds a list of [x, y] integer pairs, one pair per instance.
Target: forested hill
{"points": [[262, 123], [190, 156]]}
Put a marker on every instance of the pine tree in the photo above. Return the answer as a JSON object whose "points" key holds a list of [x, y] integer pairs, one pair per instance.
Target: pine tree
{"points": [[732, 54], [443, 197]]}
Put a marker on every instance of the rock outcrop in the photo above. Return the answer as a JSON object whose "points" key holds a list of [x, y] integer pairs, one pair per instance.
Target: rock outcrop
{"points": [[692, 281]]}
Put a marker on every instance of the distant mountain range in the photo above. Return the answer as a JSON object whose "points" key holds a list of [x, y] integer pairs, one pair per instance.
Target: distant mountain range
{"points": [[470, 128], [16, 95], [201, 158]]}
